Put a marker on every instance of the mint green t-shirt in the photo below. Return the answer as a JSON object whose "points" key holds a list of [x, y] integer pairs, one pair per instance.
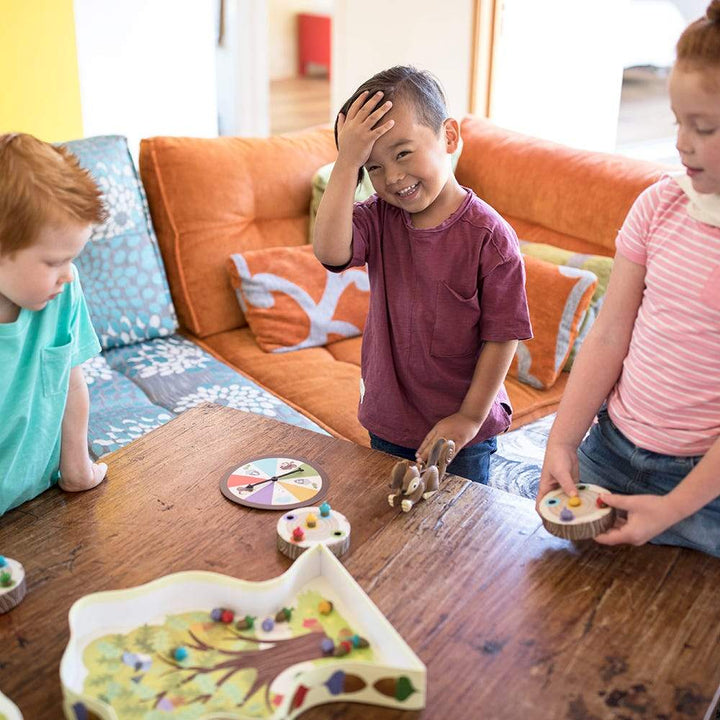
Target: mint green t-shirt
{"points": [[37, 352]]}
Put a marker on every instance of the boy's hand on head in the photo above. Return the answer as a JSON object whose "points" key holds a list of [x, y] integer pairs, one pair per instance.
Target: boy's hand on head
{"points": [[357, 132], [82, 478], [560, 469], [644, 517], [457, 427]]}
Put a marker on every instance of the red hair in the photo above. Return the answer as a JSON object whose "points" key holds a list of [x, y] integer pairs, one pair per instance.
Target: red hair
{"points": [[699, 46], [41, 184]]}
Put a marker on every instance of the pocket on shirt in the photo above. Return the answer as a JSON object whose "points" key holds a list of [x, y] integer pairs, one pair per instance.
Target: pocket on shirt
{"points": [[56, 369], [455, 329], [710, 294]]}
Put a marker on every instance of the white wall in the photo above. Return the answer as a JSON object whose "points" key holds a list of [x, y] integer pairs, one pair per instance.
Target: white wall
{"points": [[373, 35], [242, 70], [282, 22], [147, 67], [558, 72]]}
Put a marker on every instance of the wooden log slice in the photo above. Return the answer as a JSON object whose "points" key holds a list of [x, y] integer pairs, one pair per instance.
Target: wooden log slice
{"points": [[333, 531], [12, 583], [563, 516]]}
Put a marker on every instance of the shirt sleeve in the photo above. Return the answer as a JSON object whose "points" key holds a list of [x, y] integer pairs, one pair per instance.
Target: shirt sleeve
{"points": [[632, 239], [501, 289], [85, 340], [366, 225]]}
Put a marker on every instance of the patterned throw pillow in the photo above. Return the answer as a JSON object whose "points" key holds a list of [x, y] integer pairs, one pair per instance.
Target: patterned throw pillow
{"points": [[558, 297], [599, 265], [120, 268], [291, 301]]}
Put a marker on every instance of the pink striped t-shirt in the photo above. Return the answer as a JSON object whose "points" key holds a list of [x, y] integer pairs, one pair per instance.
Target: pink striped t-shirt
{"points": [[668, 396]]}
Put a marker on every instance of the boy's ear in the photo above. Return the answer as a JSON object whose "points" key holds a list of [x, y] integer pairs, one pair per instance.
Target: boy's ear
{"points": [[451, 134]]}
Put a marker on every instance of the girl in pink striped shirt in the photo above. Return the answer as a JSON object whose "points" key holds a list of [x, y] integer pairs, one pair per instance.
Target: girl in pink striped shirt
{"points": [[651, 364]]}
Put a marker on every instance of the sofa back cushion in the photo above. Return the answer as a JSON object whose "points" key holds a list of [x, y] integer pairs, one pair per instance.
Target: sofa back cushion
{"points": [[210, 198], [548, 192], [120, 268]]}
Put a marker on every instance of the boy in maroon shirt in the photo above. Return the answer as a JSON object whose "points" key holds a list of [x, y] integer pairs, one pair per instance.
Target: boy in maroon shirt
{"points": [[447, 282]]}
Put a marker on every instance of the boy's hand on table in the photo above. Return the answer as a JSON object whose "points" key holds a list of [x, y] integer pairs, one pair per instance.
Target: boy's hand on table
{"points": [[645, 517], [560, 469], [358, 131], [85, 477], [457, 427]]}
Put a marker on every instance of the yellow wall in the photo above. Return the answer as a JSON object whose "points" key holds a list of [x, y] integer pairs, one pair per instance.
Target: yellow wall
{"points": [[39, 85]]}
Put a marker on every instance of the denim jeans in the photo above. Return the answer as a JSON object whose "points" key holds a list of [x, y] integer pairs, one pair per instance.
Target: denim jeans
{"points": [[609, 459], [472, 462]]}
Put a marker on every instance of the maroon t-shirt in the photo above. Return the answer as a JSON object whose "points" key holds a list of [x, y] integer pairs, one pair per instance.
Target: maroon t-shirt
{"points": [[435, 295]]}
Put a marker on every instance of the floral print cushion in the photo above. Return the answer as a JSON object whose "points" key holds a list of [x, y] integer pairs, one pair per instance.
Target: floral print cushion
{"points": [[120, 268], [137, 388]]}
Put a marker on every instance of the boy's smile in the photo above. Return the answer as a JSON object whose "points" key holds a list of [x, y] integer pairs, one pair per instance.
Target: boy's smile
{"points": [[409, 167], [34, 275]]}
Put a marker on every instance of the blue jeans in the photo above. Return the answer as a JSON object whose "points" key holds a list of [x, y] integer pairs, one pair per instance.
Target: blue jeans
{"points": [[609, 459], [472, 462]]}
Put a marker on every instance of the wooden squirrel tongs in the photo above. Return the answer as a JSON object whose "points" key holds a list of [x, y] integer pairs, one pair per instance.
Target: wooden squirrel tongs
{"points": [[411, 481]]}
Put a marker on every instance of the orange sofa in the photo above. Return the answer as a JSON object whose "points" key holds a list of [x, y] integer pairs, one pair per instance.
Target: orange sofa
{"points": [[210, 198]]}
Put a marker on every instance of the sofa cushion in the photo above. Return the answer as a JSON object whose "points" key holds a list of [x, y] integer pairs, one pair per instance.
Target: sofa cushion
{"points": [[598, 265], [292, 302], [211, 198], [549, 192], [558, 297], [122, 275], [136, 388]]}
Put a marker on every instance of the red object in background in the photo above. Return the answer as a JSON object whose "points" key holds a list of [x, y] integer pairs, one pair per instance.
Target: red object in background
{"points": [[313, 42]]}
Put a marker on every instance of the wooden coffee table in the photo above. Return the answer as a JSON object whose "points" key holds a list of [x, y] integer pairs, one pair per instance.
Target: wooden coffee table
{"points": [[510, 621]]}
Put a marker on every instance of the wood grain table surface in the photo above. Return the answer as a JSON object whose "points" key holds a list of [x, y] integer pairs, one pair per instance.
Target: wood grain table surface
{"points": [[511, 622]]}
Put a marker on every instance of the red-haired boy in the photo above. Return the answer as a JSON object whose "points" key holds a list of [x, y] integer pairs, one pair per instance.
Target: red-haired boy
{"points": [[48, 205]]}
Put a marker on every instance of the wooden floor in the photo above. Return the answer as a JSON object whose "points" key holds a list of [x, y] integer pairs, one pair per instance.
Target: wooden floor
{"points": [[297, 103]]}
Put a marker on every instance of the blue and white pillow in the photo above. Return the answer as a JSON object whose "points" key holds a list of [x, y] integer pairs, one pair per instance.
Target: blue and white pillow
{"points": [[121, 271]]}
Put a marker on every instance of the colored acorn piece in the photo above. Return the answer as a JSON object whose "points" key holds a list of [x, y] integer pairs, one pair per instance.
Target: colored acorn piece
{"points": [[216, 614], [325, 607], [6, 579], [311, 521], [3, 561], [566, 515], [600, 503], [268, 624], [327, 646], [574, 501], [283, 615], [298, 534], [341, 650], [227, 616], [180, 653], [325, 509], [246, 623]]}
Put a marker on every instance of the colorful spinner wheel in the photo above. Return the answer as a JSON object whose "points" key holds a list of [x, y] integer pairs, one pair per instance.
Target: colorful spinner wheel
{"points": [[275, 483]]}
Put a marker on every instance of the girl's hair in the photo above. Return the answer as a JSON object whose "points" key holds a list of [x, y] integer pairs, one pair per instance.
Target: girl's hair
{"points": [[699, 45], [404, 82], [41, 184]]}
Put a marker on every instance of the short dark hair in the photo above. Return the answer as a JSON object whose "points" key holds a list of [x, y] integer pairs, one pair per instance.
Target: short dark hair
{"points": [[418, 87]]}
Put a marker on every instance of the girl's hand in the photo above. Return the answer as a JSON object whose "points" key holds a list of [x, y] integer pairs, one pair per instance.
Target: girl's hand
{"points": [[357, 132], [647, 517], [560, 469], [457, 427]]}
